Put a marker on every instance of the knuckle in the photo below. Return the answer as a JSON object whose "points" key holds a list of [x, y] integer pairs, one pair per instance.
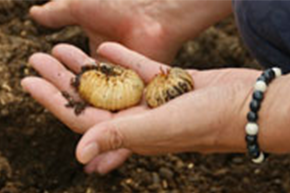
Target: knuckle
{"points": [[116, 139]]}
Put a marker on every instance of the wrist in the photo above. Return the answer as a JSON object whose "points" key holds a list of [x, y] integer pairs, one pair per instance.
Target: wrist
{"points": [[274, 134], [273, 119]]}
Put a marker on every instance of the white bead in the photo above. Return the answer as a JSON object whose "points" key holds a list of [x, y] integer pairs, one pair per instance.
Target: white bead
{"points": [[259, 159], [252, 129], [260, 86], [277, 71]]}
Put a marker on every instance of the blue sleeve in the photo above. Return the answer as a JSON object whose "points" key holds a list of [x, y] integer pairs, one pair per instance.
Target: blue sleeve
{"points": [[265, 29]]}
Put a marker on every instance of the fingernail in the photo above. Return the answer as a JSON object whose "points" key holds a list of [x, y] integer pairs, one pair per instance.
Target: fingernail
{"points": [[89, 152], [34, 9], [24, 83]]}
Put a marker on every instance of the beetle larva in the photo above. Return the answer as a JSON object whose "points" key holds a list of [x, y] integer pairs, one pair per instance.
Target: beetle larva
{"points": [[109, 86], [168, 85]]}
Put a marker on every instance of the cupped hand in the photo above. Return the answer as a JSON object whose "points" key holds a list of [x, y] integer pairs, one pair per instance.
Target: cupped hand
{"points": [[57, 72], [181, 125]]}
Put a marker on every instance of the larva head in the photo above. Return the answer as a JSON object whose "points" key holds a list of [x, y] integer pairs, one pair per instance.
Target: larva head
{"points": [[163, 72], [110, 69]]}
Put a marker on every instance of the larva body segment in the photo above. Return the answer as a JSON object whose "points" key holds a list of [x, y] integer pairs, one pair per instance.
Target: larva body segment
{"points": [[167, 86], [109, 87]]}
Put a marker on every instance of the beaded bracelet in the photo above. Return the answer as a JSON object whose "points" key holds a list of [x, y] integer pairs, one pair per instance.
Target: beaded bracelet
{"points": [[252, 127]]}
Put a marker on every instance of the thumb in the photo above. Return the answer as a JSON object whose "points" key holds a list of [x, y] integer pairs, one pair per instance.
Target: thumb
{"points": [[53, 14], [138, 133]]}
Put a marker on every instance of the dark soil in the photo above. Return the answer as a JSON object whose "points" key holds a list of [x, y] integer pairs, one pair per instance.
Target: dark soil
{"points": [[37, 151]]}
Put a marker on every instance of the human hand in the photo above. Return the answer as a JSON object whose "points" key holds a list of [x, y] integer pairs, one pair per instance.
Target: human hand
{"points": [[210, 119], [219, 96], [153, 28], [57, 78]]}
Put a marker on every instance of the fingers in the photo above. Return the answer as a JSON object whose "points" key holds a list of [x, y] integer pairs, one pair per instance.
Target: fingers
{"points": [[118, 54], [51, 98], [71, 56], [53, 71], [53, 14], [107, 162], [74, 58]]}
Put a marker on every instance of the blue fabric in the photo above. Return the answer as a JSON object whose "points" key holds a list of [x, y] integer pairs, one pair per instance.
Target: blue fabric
{"points": [[265, 28]]}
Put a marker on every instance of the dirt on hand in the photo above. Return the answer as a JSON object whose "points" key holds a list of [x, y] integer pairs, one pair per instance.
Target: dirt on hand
{"points": [[37, 150]]}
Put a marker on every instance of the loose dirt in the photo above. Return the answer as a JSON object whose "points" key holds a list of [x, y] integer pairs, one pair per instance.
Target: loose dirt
{"points": [[37, 150]]}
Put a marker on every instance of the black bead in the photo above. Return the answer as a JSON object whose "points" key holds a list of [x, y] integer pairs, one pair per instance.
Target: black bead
{"points": [[258, 95], [255, 105], [252, 116], [264, 79], [251, 139], [269, 74], [255, 154], [254, 151]]}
